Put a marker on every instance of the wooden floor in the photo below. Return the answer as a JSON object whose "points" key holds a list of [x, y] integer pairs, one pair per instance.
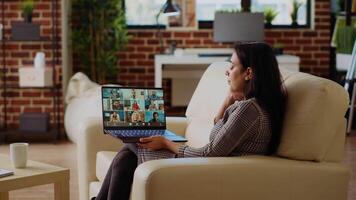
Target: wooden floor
{"points": [[64, 154], [350, 160]]}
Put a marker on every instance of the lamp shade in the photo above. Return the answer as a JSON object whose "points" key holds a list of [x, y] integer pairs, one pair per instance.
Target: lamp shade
{"points": [[170, 9], [238, 27]]}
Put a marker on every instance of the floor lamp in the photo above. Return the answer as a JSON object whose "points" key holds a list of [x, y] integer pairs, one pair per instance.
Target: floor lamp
{"points": [[168, 9]]}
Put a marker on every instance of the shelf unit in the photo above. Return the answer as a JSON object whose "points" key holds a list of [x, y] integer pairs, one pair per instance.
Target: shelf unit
{"points": [[10, 135]]}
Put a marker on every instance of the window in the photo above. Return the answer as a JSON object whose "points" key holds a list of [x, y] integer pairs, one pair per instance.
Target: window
{"points": [[143, 12], [205, 10]]}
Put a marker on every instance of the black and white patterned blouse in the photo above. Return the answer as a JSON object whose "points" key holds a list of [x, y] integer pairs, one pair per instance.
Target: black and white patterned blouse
{"points": [[244, 130]]}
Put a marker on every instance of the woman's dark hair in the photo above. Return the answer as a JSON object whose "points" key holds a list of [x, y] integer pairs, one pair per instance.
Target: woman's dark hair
{"points": [[266, 84]]}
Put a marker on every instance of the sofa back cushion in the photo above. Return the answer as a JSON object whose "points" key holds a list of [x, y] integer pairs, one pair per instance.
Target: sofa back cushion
{"points": [[315, 112], [205, 102]]}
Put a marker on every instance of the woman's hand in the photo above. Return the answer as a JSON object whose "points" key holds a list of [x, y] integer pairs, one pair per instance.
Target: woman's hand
{"points": [[156, 142], [229, 100], [232, 97]]}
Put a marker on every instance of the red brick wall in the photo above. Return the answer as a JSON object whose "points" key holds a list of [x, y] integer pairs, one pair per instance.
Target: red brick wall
{"points": [[137, 61], [312, 46], [22, 54]]}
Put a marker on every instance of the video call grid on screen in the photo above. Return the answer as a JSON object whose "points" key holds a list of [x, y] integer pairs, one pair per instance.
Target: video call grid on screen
{"points": [[127, 107]]}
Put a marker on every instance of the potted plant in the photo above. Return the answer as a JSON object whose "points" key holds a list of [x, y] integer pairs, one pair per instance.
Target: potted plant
{"points": [[27, 10], [26, 30], [278, 48], [98, 33], [294, 14], [270, 14]]}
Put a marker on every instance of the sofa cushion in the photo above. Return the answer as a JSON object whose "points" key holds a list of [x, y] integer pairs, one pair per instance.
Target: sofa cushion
{"points": [[205, 103], [94, 188], [89, 102], [210, 92], [198, 132], [78, 84], [315, 109], [103, 161]]}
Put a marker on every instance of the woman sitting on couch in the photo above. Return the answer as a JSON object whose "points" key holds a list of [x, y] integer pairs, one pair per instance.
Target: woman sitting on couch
{"points": [[249, 121]]}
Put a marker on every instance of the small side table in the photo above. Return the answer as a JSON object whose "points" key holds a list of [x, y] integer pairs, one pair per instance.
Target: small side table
{"points": [[34, 174]]}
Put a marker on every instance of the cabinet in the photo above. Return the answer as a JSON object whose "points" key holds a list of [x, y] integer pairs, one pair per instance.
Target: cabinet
{"points": [[9, 86]]}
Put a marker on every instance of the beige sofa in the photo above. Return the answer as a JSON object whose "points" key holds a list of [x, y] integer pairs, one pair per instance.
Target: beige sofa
{"points": [[308, 164]]}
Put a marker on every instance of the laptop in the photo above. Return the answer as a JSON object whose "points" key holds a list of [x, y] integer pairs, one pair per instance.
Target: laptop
{"points": [[133, 113]]}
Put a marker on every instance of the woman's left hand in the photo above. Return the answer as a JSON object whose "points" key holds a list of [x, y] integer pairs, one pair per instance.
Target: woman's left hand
{"points": [[156, 142]]}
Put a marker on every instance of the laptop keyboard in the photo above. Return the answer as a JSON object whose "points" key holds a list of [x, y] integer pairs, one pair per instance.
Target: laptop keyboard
{"points": [[138, 133]]}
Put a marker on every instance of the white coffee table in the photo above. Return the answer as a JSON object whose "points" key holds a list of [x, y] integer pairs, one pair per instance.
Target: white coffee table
{"points": [[34, 174]]}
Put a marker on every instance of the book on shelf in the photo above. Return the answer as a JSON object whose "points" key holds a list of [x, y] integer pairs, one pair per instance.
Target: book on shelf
{"points": [[5, 172]]}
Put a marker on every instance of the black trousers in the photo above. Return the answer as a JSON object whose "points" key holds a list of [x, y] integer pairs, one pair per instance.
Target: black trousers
{"points": [[119, 178]]}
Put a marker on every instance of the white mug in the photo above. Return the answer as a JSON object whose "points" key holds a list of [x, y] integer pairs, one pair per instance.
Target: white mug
{"points": [[18, 154]]}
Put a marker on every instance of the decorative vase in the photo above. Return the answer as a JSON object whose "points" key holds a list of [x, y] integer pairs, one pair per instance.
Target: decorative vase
{"points": [[39, 62], [268, 25], [294, 24], [246, 5], [27, 17]]}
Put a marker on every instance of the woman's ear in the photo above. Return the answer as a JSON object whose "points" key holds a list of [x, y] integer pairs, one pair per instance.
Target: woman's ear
{"points": [[249, 73]]}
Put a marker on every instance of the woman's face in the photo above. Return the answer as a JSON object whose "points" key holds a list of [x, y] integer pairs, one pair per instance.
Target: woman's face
{"points": [[134, 117], [237, 76]]}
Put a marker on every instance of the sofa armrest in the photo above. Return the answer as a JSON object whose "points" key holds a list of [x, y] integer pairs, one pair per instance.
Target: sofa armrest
{"points": [[250, 177], [91, 140], [177, 125]]}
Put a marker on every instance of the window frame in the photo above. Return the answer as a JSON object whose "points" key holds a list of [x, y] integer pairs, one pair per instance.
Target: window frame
{"points": [[208, 24]]}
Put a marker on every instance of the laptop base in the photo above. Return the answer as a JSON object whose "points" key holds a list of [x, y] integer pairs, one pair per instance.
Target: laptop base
{"points": [[167, 134]]}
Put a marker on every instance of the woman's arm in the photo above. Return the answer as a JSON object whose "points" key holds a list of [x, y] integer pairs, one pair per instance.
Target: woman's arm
{"points": [[230, 135], [242, 121], [229, 100]]}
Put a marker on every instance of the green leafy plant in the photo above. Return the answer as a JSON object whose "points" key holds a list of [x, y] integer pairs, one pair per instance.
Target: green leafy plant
{"points": [[270, 14], [295, 9], [99, 32], [27, 7]]}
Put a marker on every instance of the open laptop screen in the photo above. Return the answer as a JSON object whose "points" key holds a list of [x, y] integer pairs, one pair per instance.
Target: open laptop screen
{"points": [[134, 108]]}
